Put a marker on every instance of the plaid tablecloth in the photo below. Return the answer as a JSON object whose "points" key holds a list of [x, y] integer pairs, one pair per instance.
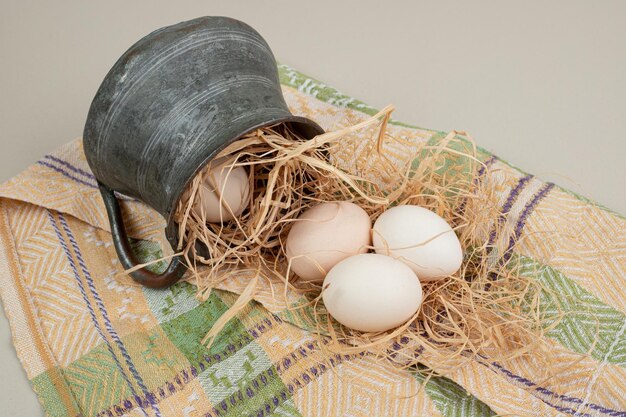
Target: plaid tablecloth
{"points": [[96, 345]]}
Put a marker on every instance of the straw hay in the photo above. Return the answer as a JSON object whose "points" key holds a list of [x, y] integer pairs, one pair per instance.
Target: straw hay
{"points": [[487, 309]]}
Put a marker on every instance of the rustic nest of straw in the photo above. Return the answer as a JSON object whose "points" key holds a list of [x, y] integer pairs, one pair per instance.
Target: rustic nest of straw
{"points": [[487, 308]]}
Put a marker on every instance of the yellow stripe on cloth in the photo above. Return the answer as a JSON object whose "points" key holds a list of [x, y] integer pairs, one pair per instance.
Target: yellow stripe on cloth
{"points": [[35, 353], [583, 241]]}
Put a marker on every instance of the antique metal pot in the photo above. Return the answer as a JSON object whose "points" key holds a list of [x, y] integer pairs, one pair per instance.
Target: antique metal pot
{"points": [[167, 107]]}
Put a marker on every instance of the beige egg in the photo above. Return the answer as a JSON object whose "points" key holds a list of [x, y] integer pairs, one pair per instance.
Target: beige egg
{"points": [[324, 235], [225, 192], [421, 239], [371, 292]]}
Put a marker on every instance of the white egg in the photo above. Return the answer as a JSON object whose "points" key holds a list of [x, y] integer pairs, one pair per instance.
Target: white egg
{"points": [[224, 193], [371, 292], [421, 239], [324, 235]]}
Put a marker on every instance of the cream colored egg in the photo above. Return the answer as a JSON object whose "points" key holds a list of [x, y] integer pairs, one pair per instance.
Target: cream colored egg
{"points": [[324, 235], [421, 239], [225, 192], [371, 292]]}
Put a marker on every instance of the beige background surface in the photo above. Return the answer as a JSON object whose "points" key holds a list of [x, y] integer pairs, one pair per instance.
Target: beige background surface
{"points": [[541, 84]]}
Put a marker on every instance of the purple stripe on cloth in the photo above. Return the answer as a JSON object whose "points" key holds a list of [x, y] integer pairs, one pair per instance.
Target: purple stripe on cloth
{"points": [[180, 380], [483, 360], [481, 171], [72, 177], [92, 313], [528, 209], [169, 388], [105, 316], [67, 174], [488, 162], [513, 194], [545, 391], [251, 390], [71, 167], [521, 221]]}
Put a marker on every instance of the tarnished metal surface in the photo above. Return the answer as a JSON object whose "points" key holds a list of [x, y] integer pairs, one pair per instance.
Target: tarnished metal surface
{"points": [[174, 100]]}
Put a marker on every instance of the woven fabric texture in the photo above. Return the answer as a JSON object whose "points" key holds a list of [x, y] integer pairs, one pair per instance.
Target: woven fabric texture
{"points": [[94, 344]]}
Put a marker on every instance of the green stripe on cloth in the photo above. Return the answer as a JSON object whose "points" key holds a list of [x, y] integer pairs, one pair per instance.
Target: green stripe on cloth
{"points": [[226, 377], [168, 303], [165, 303], [96, 381], [45, 385], [586, 321], [266, 392], [188, 329], [457, 155], [456, 169], [148, 251], [451, 399], [246, 382], [295, 79], [286, 409]]}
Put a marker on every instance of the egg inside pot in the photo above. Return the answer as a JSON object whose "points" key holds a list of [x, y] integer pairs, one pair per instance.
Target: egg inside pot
{"points": [[223, 193]]}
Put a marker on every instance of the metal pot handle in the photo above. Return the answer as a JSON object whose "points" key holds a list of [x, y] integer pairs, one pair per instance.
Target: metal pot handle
{"points": [[174, 271]]}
